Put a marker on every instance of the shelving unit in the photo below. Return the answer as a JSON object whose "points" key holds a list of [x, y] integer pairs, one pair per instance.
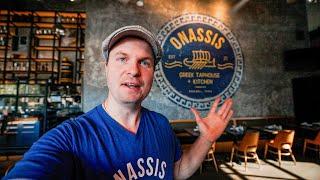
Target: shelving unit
{"points": [[16, 94], [41, 57], [33, 45], [27, 106]]}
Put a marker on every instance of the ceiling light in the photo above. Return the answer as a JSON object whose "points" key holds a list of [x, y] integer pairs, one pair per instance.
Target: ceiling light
{"points": [[313, 1], [139, 3]]}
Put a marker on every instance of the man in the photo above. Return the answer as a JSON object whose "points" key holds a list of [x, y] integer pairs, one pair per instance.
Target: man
{"points": [[120, 139]]}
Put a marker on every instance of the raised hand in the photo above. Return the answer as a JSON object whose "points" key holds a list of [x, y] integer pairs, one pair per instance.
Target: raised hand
{"points": [[212, 126]]}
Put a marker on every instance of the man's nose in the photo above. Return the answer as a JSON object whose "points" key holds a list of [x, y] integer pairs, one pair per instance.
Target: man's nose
{"points": [[134, 69]]}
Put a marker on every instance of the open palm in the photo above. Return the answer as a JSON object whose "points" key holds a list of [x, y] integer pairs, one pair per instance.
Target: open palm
{"points": [[212, 126]]}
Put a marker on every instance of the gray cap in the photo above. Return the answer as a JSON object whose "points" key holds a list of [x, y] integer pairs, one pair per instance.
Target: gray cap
{"points": [[134, 31]]}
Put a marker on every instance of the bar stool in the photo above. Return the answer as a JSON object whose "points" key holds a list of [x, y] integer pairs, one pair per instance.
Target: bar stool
{"points": [[315, 142]]}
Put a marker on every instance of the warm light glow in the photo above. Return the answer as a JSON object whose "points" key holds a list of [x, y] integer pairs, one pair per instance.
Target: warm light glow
{"points": [[220, 10], [140, 3], [190, 7]]}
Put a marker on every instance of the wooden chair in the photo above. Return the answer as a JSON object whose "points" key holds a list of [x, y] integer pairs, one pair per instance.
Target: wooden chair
{"points": [[211, 157], [283, 144], [9, 167], [315, 144], [248, 146]]}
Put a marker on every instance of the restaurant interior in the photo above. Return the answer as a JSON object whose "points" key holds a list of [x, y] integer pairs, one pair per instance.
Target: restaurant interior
{"points": [[51, 70]]}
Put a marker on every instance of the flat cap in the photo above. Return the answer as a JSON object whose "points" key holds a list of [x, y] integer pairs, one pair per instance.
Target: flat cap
{"points": [[132, 31]]}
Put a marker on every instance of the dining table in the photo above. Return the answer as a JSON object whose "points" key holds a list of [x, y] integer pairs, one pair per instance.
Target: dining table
{"points": [[227, 135]]}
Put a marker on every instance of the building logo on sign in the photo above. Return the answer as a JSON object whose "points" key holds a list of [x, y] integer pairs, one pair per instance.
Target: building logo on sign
{"points": [[201, 60]]}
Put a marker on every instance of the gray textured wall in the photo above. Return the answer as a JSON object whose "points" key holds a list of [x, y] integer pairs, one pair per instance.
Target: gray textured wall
{"points": [[313, 12], [264, 29]]}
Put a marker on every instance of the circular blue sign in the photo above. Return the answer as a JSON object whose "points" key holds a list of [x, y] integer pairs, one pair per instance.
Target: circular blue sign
{"points": [[201, 61]]}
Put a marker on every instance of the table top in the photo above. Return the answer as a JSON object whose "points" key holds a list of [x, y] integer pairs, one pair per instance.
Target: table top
{"points": [[192, 132], [264, 129]]}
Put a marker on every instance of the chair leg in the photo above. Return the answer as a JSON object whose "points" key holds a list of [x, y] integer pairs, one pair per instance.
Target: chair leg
{"points": [[304, 147], [279, 156], [245, 161], [232, 152], [257, 159], [265, 151], [214, 162], [292, 156]]}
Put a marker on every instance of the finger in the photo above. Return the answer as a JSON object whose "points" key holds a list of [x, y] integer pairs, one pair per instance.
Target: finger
{"points": [[215, 105], [223, 107], [196, 114], [229, 115], [227, 110]]}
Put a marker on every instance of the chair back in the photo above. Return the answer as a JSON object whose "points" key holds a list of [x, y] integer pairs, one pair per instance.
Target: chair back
{"points": [[250, 140], [317, 139], [213, 147], [284, 137]]}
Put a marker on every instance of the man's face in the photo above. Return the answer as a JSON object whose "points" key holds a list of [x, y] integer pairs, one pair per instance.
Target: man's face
{"points": [[129, 71]]}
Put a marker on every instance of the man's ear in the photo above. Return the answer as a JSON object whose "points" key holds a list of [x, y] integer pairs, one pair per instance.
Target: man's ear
{"points": [[106, 68]]}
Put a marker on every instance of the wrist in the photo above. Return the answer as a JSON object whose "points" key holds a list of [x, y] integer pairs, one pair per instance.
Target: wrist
{"points": [[207, 139]]}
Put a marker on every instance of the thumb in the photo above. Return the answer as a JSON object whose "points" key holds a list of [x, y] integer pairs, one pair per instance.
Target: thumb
{"points": [[196, 114]]}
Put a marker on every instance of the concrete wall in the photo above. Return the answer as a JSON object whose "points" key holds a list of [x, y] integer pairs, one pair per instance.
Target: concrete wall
{"points": [[313, 12], [264, 29]]}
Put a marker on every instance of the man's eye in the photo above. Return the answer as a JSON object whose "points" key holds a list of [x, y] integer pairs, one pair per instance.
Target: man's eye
{"points": [[146, 63], [122, 59]]}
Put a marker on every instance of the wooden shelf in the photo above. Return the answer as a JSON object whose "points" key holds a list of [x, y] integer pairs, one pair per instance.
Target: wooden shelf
{"points": [[83, 15], [3, 23], [45, 13], [44, 59], [46, 36], [20, 13], [44, 25], [17, 71], [67, 48], [44, 72], [68, 14], [5, 34], [44, 48], [3, 12], [21, 59], [69, 25], [65, 80], [21, 24]]}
